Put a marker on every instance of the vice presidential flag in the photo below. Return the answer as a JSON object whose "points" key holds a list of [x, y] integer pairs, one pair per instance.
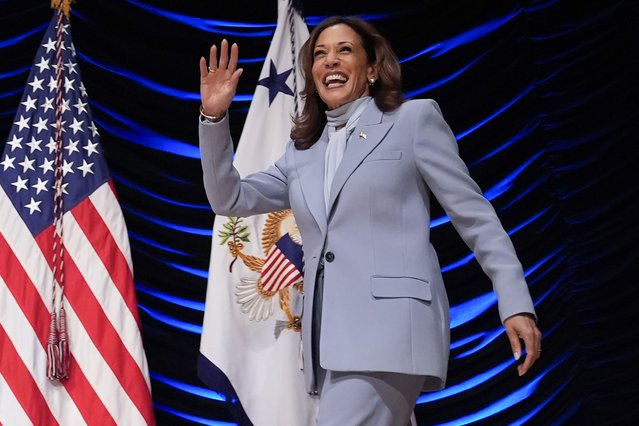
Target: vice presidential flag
{"points": [[70, 344], [252, 317]]}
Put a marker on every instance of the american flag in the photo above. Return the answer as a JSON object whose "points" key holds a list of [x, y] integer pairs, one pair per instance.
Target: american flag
{"points": [[108, 380], [283, 265]]}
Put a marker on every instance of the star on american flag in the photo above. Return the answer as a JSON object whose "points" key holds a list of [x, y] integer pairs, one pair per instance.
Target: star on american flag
{"points": [[27, 166]]}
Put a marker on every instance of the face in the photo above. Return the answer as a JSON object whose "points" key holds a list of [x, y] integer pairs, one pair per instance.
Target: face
{"points": [[340, 66]]}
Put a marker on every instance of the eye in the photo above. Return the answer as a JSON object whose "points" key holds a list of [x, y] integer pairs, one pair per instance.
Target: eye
{"points": [[345, 49], [318, 52]]}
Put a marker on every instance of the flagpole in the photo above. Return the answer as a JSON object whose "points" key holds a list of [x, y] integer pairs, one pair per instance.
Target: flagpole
{"points": [[294, 6], [57, 343], [63, 5]]}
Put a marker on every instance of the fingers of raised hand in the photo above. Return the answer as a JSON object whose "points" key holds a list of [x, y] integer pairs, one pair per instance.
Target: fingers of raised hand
{"points": [[213, 59], [224, 54], [225, 65], [234, 55], [203, 69]]}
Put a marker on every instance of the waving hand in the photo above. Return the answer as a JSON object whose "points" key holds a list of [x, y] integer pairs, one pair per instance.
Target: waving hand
{"points": [[218, 81]]}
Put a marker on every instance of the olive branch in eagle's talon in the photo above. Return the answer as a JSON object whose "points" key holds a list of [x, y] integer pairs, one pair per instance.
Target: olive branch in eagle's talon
{"points": [[233, 234]]}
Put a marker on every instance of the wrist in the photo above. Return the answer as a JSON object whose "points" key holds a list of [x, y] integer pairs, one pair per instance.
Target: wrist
{"points": [[213, 118]]}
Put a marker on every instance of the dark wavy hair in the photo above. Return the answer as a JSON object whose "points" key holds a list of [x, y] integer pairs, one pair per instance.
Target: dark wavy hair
{"points": [[308, 126]]}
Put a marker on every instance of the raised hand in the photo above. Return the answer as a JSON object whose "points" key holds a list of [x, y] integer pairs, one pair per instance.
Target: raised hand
{"points": [[218, 81]]}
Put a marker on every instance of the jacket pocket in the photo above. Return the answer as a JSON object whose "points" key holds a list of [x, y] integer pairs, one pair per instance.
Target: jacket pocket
{"points": [[392, 287], [384, 155]]}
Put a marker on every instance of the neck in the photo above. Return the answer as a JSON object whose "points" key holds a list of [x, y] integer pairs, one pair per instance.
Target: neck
{"points": [[339, 116]]}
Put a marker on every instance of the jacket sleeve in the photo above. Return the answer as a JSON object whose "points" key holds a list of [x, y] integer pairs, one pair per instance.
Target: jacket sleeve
{"points": [[471, 214], [230, 195]]}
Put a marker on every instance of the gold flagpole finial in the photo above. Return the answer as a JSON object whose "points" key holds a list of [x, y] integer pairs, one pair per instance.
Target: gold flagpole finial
{"points": [[65, 5]]}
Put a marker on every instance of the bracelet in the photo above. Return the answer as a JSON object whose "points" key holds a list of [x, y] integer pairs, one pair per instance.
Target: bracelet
{"points": [[211, 118]]}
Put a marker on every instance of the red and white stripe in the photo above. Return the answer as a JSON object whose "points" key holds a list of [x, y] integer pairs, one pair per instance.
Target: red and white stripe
{"points": [[109, 382], [278, 272]]}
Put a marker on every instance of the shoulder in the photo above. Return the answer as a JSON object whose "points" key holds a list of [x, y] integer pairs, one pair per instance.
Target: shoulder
{"points": [[420, 107], [415, 111]]}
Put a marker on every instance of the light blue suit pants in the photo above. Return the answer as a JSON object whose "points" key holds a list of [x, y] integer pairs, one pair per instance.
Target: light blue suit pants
{"points": [[360, 398]]}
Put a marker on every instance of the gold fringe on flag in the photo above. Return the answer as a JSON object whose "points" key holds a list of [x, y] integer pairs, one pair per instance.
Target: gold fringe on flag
{"points": [[65, 5]]}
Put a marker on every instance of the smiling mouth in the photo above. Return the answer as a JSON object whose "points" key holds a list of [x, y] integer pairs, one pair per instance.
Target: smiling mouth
{"points": [[335, 80]]}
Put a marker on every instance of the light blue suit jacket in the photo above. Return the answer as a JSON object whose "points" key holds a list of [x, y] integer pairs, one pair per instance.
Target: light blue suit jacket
{"points": [[385, 307]]}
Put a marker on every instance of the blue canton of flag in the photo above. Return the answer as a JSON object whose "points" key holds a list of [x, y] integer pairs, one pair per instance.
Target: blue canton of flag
{"points": [[283, 266], [27, 164]]}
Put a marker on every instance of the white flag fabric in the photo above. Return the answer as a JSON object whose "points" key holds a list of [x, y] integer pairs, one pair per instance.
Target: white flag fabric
{"points": [[251, 330], [54, 139]]}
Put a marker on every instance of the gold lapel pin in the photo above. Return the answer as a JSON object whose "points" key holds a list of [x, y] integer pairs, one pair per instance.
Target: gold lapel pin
{"points": [[363, 135]]}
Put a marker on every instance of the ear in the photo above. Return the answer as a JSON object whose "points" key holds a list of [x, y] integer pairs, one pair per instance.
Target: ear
{"points": [[371, 72]]}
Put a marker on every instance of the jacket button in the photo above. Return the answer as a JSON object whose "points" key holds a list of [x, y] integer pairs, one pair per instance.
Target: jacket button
{"points": [[329, 256]]}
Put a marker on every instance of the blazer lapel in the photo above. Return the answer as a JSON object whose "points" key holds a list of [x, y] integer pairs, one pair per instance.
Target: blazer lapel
{"points": [[367, 135], [310, 168]]}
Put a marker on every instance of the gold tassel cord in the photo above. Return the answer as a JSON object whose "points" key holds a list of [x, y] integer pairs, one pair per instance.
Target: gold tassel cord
{"points": [[65, 5]]}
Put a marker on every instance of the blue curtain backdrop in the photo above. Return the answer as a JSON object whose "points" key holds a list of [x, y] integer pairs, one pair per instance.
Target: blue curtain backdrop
{"points": [[543, 97]]}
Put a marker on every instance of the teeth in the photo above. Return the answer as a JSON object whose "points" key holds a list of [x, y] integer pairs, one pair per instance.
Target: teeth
{"points": [[334, 78]]}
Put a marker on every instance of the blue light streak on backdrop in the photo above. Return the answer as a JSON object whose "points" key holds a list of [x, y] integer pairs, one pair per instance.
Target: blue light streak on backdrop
{"points": [[201, 273], [466, 37], [441, 82], [182, 228], [15, 72], [17, 39], [191, 389], [140, 188], [156, 87], [144, 137], [173, 322], [500, 111], [191, 417], [496, 190], [507, 402], [532, 125], [148, 241], [211, 25], [11, 93], [465, 385], [179, 301]]}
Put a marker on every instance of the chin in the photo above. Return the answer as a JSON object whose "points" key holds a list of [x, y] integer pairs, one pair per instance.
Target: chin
{"points": [[333, 103]]}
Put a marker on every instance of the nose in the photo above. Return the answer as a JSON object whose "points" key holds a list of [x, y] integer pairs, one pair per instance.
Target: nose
{"points": [[331, 59]]}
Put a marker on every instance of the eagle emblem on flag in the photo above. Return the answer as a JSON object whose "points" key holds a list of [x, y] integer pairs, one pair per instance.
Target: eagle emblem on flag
{"points": [[280, 273]]}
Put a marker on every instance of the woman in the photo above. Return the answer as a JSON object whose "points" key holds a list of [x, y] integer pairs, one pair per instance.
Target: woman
{"points": [[358, 174]]}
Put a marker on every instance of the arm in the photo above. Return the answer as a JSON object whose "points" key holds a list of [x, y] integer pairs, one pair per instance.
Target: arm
{"points": [[475, 220], [228, 194]]}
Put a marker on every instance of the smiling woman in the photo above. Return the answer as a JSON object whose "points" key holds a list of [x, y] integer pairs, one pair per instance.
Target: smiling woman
{"points": [[358, 178], [342, 70], [358, 46]]}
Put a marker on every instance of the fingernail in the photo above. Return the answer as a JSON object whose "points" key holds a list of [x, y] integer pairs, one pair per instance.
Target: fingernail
{"points": [[516, 355]]}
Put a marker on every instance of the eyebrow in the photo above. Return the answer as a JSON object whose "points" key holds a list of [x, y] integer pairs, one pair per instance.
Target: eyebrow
{"points": [[341, 42]]}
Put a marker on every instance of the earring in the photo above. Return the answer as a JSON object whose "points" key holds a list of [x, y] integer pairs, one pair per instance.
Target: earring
{"points": [[371, 81]]}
